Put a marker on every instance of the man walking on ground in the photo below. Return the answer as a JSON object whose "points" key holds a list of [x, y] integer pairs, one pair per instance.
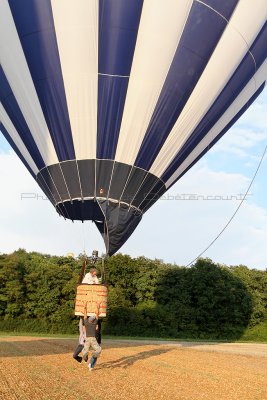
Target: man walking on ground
{"points": [[91, 342]]}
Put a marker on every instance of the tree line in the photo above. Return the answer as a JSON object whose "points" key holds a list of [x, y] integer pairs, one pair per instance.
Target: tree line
{"points": [[147, 298]]}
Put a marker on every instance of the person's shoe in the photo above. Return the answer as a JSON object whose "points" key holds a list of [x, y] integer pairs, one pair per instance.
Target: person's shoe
{"points": [[90, 367], [93, 361], [78, 358], [85, 358]]}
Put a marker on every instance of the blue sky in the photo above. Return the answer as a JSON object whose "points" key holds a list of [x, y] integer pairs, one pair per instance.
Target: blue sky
{"points": [[172, 230]]}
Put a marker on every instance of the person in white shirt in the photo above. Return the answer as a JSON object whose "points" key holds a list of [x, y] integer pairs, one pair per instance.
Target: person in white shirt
{"points": [[91, 277]]}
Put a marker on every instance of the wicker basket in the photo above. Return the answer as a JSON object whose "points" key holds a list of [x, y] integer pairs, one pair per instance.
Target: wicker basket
{"points": [[91, 299]]}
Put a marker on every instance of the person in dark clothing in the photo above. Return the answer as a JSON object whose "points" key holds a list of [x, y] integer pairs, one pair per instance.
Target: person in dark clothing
{"points": [[98, 332], [80, 346], [91, 342]]}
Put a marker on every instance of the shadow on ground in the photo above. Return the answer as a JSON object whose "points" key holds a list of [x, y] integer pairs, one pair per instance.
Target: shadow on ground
{"points": [[26, 347], [125, 362]]}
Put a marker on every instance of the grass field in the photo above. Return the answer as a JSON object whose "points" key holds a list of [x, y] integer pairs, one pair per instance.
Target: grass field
{"points": [[37, 368]]}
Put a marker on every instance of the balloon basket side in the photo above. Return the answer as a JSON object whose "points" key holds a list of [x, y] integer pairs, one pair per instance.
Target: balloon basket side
{"points": [[91, 300]]}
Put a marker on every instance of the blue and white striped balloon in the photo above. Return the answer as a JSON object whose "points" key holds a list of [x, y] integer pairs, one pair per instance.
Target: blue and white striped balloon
{"points": [[109, 102]]}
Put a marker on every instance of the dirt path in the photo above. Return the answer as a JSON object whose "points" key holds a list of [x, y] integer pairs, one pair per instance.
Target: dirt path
{"points": [[43, 369]]}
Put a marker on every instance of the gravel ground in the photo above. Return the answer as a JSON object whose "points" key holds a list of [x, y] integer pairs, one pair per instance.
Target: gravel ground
{"points": [[253, 349], [43, 369]]}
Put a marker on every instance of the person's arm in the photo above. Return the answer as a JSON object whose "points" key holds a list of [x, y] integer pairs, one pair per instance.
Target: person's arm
{"points": [[80, 325], [84, 332], [97, 311]]}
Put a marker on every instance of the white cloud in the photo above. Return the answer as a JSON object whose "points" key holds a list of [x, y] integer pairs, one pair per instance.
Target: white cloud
{"points": [[179, 230], [256, 115], [250, 131], [33, 223], [242, 143]]}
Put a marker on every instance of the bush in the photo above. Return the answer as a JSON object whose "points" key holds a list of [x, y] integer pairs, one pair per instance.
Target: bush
{"points": [[146, 297]]}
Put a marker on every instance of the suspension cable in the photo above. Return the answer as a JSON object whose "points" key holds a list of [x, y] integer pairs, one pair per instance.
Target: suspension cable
{"points": [[83, 237], [234, 214]]}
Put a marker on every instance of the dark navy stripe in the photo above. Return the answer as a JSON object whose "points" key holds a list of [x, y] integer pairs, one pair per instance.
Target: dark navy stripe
{"points": [[236, 84], [224, 7], [121, 222], [7, 99], [15, 148], [134, 182], [146, 187], [67, 210], [118, 27], [120, 176], [70, 172], [46, 177], [111, 99], [87, 177], [43, 186], [54, 173], [103, 174], [153, 196], [35, 26], [201, 34], [227, 127], [259, 47]]}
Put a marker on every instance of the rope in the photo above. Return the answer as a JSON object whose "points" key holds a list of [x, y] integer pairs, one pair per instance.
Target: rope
{"points": [[82, 271], [103, 271], [234, 214], [83, 236]]}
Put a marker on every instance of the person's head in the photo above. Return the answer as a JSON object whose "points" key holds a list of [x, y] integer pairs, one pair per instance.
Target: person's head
{"points": [[93, 271], [92, 319]]}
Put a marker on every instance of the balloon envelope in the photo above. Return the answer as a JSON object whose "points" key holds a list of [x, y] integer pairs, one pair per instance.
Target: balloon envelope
{"points": [[109, 102]]}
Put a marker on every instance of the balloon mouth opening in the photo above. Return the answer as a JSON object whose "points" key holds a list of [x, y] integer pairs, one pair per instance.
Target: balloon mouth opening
{"points": [[85, 210], [81, 210], [115, 221]]}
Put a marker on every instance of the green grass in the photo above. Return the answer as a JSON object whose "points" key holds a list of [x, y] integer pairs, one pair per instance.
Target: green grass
{"points": [[38, 334], [257, 333], [254, 335]]}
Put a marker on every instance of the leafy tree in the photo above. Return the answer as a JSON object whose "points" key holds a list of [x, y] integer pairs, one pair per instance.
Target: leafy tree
{"points": [[12, 290], [146, 297], [256, 284]]}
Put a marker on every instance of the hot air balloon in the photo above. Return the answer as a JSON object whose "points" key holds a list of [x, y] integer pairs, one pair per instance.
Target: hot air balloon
{"points": [[109, 102]]}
